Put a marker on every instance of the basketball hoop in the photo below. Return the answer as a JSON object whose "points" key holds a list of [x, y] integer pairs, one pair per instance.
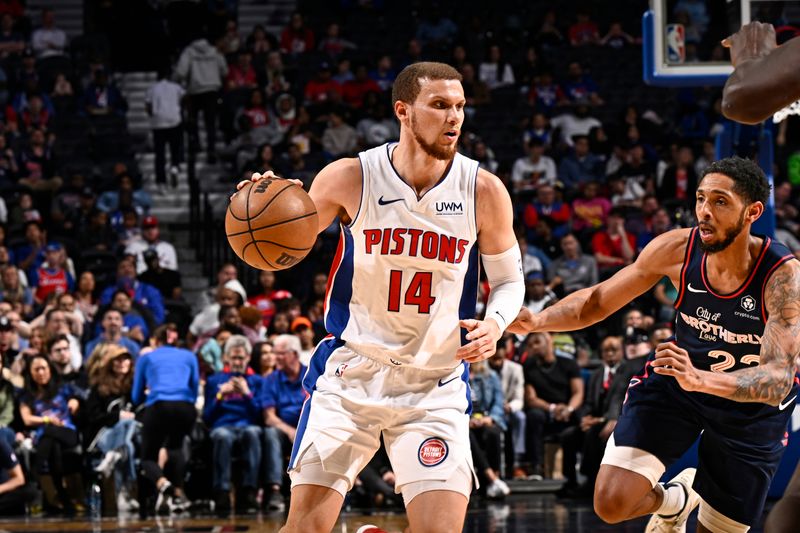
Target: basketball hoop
{"points": [[791, 109]]}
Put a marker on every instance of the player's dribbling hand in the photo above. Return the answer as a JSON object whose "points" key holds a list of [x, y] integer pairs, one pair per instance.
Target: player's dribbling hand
{"points": [[256, 176], [674, 361], [524, 323], [753, 40], [483, 336]]}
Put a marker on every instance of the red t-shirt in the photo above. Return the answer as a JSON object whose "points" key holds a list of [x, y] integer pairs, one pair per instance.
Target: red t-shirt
{"points": [[603, 243], [317, 92]]}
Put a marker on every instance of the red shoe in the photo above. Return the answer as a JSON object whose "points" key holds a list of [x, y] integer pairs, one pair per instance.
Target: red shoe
{"points": [[369, 528]]}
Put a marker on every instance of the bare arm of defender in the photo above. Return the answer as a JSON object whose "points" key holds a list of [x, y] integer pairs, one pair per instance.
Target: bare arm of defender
{"points": [[662, 257], [503, 266], [772, 379], [766, 77]]}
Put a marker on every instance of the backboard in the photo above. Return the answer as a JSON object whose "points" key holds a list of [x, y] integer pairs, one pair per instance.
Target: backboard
{"points": [[681, 38]]}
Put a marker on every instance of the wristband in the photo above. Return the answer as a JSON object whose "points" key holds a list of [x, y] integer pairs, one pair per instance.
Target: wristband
{"points": [[46, 419]]}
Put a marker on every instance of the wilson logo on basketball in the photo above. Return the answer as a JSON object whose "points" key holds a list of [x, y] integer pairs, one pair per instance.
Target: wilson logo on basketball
{"points": [[432, 451], [286, 260], [262, 186]]}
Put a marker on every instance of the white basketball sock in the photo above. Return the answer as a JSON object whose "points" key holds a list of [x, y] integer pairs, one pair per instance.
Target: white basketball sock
{"points": [[674, 500]]}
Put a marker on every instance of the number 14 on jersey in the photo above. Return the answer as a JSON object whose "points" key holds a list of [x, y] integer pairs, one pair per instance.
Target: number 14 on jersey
{"points": [[417, 293]]}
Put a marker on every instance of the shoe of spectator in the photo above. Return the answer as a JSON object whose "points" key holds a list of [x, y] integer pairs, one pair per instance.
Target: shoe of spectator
{"points": [[497, 489], [165, 495], [178, 504], [106, 466], [275, 502], [246, 502], [174, 172], [222, 503], [125, 503], [519, 473], [677, 522], [369, 528]]}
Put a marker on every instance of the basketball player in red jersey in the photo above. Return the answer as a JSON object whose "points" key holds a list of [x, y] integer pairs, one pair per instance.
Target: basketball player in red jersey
{"points": [[415, 216], [765, 79]]}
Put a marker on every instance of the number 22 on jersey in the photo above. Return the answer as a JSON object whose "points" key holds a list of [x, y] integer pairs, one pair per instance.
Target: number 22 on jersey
{"points": [[418, 291]]}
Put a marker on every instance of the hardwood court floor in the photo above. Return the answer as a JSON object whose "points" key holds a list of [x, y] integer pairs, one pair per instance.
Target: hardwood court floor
{"points": [[526, 513]]}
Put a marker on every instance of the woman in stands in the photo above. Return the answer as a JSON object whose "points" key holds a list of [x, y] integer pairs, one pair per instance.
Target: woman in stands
{"points": [[85, 297], [111, 423], [49, 407]]}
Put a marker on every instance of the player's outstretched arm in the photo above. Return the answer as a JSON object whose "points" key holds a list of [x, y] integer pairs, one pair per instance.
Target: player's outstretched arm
{"points": [[772, 379], [766, 77], [502, 263], [662, 257]]}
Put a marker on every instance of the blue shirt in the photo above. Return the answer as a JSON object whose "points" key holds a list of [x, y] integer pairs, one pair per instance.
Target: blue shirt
{"points": [[143, 293], [125, 342], [487, 396], [171, 374], [285, 396], [233, 409]]}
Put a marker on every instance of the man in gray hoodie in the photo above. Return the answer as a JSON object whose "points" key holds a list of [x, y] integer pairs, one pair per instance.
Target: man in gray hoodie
{"points": [[202, 69]]}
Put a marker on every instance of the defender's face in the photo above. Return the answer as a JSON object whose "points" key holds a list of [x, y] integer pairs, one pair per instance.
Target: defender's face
{"points": [[436, 117], [720, 212]]}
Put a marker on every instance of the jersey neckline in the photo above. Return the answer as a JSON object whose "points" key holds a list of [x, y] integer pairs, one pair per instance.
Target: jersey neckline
{"points": [[703, 274], [417, 198]]}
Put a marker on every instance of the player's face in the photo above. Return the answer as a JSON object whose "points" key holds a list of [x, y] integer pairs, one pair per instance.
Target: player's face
{"points": [[720, 213], [435, 118]]}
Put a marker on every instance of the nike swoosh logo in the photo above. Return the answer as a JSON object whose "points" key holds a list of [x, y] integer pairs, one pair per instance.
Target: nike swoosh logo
{"points": [[381, 201], [783, 405], [443, 383], [691, 289]]}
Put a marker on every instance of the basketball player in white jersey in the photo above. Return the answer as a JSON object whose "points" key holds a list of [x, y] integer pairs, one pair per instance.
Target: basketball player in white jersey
{"points": [[765, 79], [414, 217]]}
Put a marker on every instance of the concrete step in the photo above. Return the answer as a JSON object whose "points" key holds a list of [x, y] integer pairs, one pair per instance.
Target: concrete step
{"points": [[196, 283]]}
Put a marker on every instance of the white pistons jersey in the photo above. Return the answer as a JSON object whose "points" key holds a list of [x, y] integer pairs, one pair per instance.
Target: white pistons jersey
{"points": [[406, 269]]}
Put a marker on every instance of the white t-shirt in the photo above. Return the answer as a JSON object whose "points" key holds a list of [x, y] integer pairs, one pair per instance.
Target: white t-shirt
{"points": [[524, 167], [571, 125], [165, 99], [167, 257]]}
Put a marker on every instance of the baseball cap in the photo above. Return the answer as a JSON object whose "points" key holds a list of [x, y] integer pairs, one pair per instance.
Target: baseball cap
{"points": [[53, 247], [149, 221], [5, 324], [149, 254], [299, 322], [534, 275]]}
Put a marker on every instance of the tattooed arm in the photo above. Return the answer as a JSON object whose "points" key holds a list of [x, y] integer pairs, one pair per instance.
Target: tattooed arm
{"points": [[771, 380]]}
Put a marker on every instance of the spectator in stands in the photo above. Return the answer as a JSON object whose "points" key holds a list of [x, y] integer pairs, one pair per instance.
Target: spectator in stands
{"points": [[553, 392], [136, 320], [171, 377], [12, 43], [344, 71], [614, 247], [226, 272], [37, 164], [62, 87], [616, 37], [319, 89], [476, 92], [114, 200], [377, 127], [545, 94], [48, 40], [110, 420], [211, 351], [263, 359], [151, 240], [580, 166], [637, 169], [12, 291], [202, 68], [590, 211], [436, 32], [512, 379], [142, 293], [539, 129], [584, 31], [575, 122], [580, 87], [162, 102], [304, 330], [547, 206], [7, 400], [354, 91], [679, 179], [85, 299], [8, 340], [260, 43], [598, 417], [231, 40], [274, 80], [333, 45], [297, 38], [340, 138], [167, 281], [660, 223], [537, 295], [229, 295], [241, 75], [487, 425], [264, 301], [15, 494], [528, 68], [574, 270], [534, 170], [232, 412], [57, 322], [112, 332], [48, 407], [33, 115], [495, 72], [102, 96], [282, 398], [384, 74], [58, 351], [51, 277]]}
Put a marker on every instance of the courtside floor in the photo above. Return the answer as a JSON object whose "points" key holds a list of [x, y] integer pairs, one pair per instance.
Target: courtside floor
{"points": [[524, 513]]}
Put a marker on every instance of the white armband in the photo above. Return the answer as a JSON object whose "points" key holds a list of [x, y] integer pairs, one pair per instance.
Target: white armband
{"points": [[507, 285]]}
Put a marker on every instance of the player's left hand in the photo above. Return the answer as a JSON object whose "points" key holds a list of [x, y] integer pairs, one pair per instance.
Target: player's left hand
{"points": [[256, 176], [753, 40], [671, 360], [483, 335]]}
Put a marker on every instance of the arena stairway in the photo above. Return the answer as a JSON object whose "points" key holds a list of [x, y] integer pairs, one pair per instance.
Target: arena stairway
{"points": [[273, 15]]}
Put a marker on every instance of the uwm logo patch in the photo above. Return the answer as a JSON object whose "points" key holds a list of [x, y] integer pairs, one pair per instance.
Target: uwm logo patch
{"points": [[432, 451], [449, 208]]}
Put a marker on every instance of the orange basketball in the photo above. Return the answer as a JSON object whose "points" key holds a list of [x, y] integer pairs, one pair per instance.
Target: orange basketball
{"points": [[271, 224]]}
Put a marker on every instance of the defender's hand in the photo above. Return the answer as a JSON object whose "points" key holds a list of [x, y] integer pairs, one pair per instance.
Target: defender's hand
{"points": [[753, 40], [483, 335], [674, 361], [256, 176], [524, 323]]}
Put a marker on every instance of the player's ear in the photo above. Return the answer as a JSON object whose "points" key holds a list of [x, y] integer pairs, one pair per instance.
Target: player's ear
{"points": [[754, 211], [401, 111]]}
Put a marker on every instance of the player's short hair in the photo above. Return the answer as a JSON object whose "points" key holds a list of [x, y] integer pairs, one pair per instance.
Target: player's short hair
{"points": [[749, 181], [407, 84]]}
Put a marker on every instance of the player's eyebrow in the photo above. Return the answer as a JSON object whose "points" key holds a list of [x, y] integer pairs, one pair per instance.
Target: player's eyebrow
{"points": [[721, 192]]}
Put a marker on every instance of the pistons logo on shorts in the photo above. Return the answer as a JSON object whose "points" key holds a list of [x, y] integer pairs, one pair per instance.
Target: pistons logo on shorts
{"points": [[432, 451]]}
